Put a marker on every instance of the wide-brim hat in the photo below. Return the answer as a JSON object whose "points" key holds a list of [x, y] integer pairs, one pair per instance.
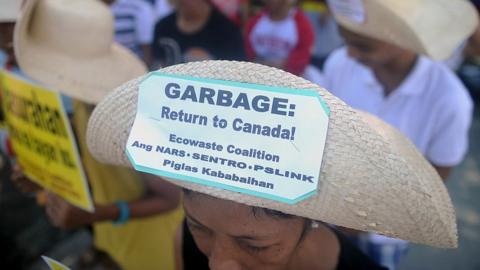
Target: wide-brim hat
{"points": [[431, 27], [372, 178], [68, 45]]}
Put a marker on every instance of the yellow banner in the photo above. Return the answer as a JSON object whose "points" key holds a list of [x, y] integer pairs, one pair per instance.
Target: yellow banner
{"points": [[42, 139], [2, 117], [53, 264], [314, 6]]}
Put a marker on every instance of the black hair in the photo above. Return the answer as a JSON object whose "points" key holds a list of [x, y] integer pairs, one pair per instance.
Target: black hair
{"points": [[255, 209]]}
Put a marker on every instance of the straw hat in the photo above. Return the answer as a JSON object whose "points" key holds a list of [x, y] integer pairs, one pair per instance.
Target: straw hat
{"points": [[431, 27], [372, 177], [9, 10], [68, 45]]}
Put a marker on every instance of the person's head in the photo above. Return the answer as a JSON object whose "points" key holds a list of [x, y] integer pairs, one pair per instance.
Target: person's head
{"points": [[373, 53], [437, 33], [190, 5], [277, 8], [236, 236]]}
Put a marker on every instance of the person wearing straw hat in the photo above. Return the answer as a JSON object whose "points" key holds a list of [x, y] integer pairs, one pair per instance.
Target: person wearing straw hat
{"points": [[371, 178], [280, 36], [388, 68], [390, 71], [68, 45]]}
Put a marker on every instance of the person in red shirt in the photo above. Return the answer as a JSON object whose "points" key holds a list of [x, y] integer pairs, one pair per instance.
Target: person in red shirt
{"points": [[280, 36]]}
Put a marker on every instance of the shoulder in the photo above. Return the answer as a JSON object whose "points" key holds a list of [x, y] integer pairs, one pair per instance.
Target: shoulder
{"points": [[221, 24], [217, 17], [444, 87], [300, 17], [255, 19], [302, 22]]}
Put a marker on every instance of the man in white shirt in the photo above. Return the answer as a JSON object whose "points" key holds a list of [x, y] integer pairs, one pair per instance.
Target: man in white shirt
{"points": [[420, 97], [386, 75], [385, 69]]}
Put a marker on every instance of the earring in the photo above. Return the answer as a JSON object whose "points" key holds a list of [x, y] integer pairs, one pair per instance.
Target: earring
{"points": [[314, 224]]}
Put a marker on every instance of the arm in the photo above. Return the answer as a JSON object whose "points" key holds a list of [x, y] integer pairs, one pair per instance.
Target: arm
{"points": [[178, 248], [160, 197], [299, 58], [248, 32], [448, 144], [21, 182]]}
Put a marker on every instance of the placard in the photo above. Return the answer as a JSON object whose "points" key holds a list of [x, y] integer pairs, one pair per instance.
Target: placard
{"points": [[42, 139], [255, 139]]}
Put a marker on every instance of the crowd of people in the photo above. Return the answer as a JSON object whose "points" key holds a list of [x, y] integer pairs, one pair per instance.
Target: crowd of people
{"points": [[395, 60], [275, 33]]}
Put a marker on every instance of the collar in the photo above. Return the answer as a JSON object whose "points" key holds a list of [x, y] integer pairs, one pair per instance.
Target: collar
{"points": [[412, 85]]}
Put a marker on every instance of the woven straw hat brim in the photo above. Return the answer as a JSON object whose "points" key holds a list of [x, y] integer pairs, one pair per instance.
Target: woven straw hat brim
{"points": [[88, 79], [372, 178], [431, 27]]}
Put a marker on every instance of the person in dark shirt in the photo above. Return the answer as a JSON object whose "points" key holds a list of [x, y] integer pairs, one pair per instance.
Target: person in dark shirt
{"points": [[277, 239], [196, 31]]}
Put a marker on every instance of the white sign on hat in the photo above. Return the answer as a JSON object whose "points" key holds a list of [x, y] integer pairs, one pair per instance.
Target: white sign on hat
{"points": [[254, 139]]}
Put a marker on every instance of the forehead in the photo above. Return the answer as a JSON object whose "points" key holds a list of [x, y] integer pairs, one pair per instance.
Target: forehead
{"points": [[234, 219]]}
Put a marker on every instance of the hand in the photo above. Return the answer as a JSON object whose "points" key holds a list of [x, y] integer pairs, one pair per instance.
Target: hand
{"points": [[22, 182], [64, 215]]}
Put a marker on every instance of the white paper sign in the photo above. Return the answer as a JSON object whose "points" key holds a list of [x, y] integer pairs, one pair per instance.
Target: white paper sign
{"points": [[259, 140], [354, 10]]}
